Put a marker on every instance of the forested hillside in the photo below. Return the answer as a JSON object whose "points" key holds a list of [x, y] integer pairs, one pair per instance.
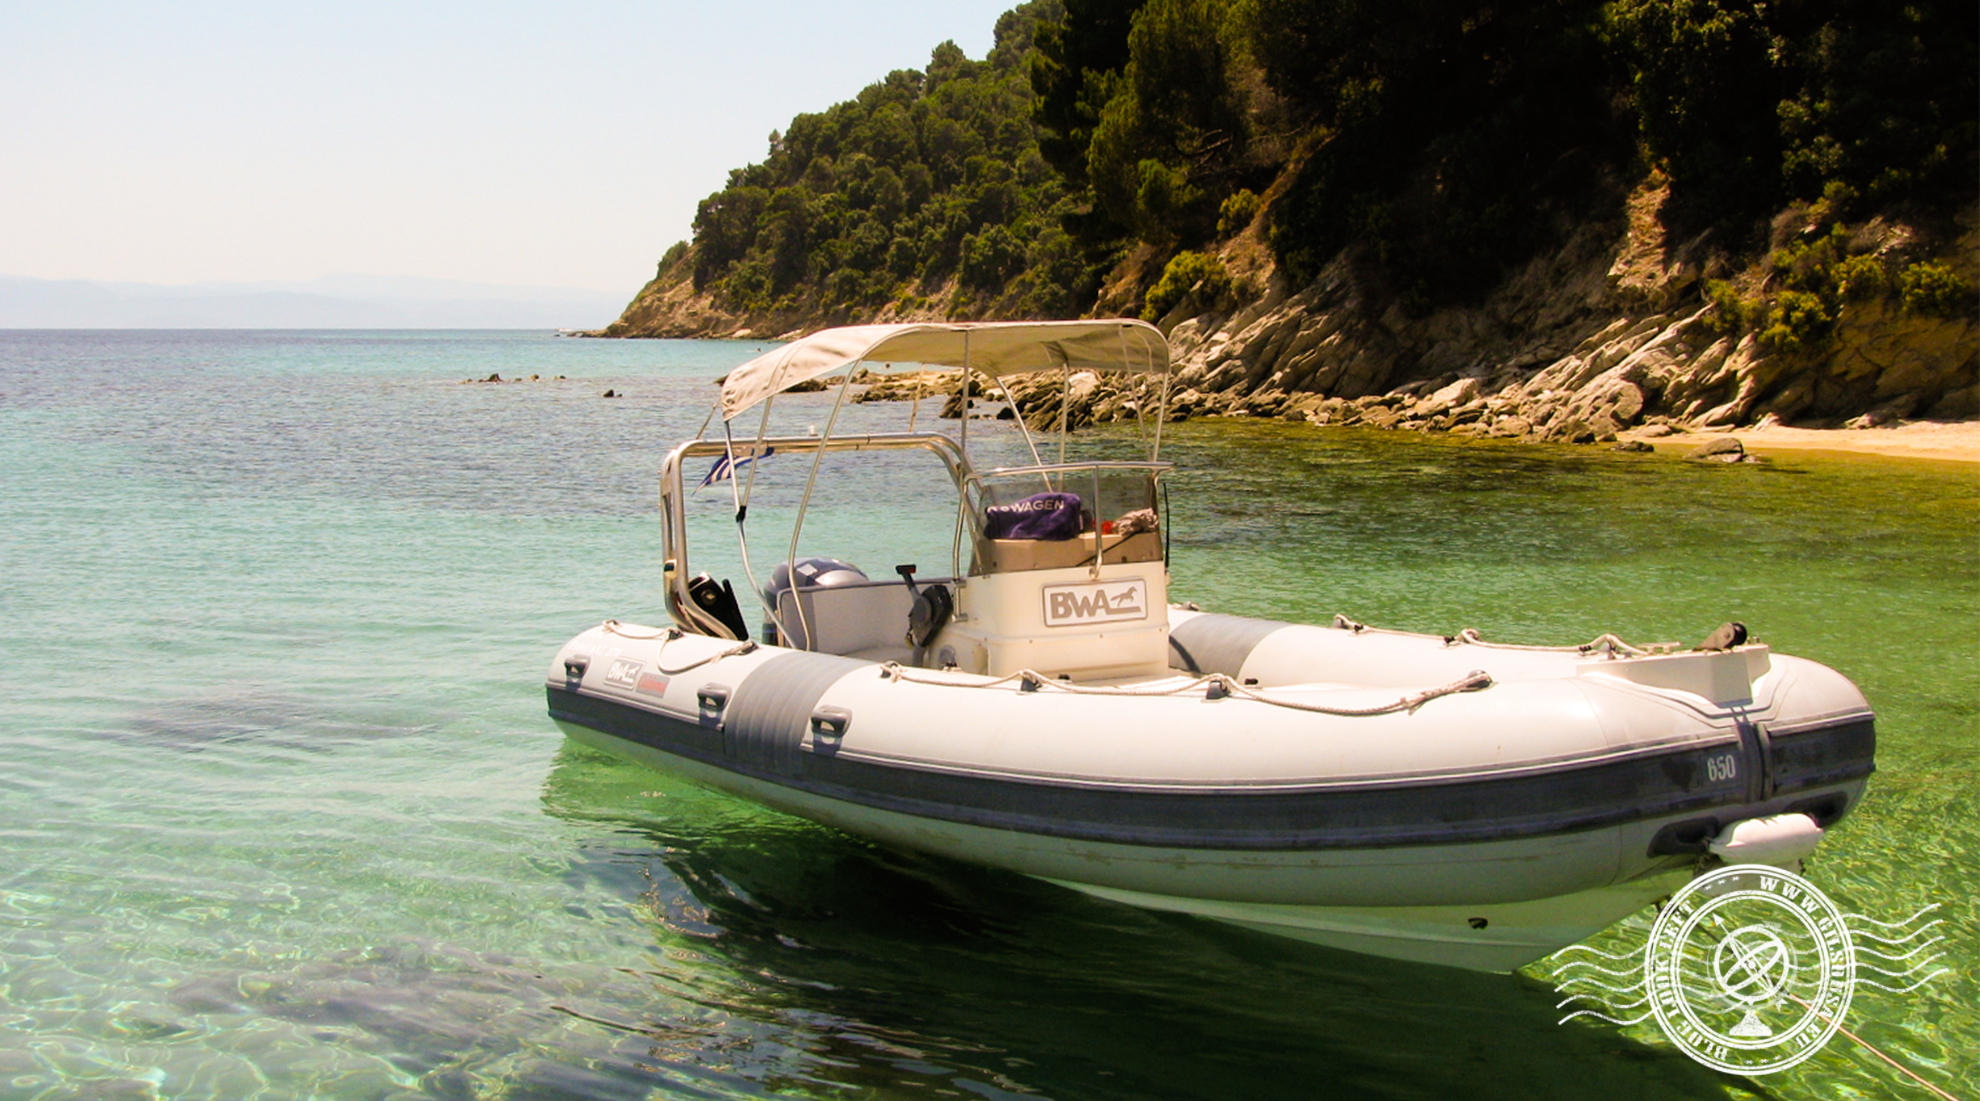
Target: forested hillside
{"points": [[1146, 155], [928, 185]]}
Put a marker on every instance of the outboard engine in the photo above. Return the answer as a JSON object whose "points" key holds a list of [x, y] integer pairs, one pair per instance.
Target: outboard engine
{"points": [[812, 573]]}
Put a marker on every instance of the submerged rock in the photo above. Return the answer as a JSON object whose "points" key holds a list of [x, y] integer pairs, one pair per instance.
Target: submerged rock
{"points": [[1725, 449]]}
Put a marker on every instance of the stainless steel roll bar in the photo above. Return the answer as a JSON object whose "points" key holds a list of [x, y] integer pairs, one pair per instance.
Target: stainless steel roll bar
{"points": [[673, 510]]}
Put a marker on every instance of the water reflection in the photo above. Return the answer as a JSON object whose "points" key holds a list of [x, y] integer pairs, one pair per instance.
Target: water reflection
{"points": [[831, 962]]}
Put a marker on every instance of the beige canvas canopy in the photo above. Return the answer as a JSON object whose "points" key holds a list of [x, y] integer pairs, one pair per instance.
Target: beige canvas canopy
{"points": [[994, 348]]}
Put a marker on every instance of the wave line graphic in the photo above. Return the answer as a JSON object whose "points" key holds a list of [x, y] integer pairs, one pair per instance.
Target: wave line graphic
{"points": [[1603, 1017], [1593, 952], [1923, 910], [1890, 958], [1912, 970], [1860, 934], [1905, 989], [1561, 971], [1620, 1007]]}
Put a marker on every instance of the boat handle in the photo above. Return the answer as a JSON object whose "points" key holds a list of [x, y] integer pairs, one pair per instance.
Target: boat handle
{"points": [[575, 665], [830, 722], [1686, 838], [712, 697]]}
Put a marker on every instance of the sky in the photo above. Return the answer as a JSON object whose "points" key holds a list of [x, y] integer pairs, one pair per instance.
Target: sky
{"points": [[556, 143]]}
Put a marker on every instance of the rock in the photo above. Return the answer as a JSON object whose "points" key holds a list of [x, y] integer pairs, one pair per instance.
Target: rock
{"points": [[1644, 270], [1632, 446], [1462, 392], [1956, 404], [1468, 412], [1724, 449], [909, 385], [493, 378], [1655, 431], [1574, 431], [1724, 416], [611, 393]]}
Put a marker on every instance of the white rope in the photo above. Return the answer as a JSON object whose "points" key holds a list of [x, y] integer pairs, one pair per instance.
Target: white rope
{"points": [[1022, 428], [742, 536], [672, 634], [708, 420], [1607, 644], [1214, 685], [613, 627]]}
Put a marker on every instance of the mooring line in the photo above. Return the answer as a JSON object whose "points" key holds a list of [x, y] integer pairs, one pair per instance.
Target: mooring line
{"points": [[1872, 1049]]}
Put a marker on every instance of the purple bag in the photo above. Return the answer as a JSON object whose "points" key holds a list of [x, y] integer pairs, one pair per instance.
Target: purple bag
{"points": [[1039, 516]]}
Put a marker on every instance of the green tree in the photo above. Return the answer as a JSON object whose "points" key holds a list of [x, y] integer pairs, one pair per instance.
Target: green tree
{"points": [[1705, 85], [1444, 138], [1169, 145]]}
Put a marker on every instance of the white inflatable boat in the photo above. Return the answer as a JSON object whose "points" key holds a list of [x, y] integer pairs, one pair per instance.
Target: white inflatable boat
{"points": [[1044, 709]]}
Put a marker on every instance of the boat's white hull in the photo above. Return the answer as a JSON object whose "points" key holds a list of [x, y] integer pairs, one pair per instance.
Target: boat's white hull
{"points": [[1479, 937], [1519, 901], [1482, 830]]}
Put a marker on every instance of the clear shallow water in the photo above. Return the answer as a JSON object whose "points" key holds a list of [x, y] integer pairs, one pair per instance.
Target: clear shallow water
{"points": [[281, 816]]}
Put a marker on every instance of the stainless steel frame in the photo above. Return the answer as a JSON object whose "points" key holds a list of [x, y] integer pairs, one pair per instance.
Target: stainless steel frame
{"points": [[673, 497], [673, 509], [1154, 467]]}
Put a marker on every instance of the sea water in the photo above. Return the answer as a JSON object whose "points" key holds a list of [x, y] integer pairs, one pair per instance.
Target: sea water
{"points": [[281, 815]]}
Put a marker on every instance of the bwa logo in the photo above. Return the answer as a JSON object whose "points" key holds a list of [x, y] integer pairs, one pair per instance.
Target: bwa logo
{"points": [[1102, 602]]}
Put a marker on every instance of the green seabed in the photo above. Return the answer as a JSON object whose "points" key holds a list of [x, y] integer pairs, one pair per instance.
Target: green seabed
{"points": [[282, 817]]}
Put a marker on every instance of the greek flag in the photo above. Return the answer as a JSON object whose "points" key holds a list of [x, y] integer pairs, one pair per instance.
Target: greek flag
{"points": [[726, 466]]}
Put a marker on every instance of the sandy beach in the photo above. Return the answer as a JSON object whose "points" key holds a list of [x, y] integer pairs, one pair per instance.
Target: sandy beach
{"points": [[1954, 441]]}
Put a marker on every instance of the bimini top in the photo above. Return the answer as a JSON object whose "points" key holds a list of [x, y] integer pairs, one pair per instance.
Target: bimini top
{"points": [[996, 348]]}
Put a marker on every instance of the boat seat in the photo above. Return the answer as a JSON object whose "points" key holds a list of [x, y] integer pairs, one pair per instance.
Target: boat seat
{"points": [[857, 620], [1009, 555]]}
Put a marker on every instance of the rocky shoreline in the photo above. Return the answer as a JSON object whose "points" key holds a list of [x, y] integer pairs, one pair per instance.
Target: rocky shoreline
{"points": [[1583, 346], [1454, 410], [1607, 340]]}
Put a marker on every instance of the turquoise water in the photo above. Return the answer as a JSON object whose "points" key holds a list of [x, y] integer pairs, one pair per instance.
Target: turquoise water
{"points": [[281, 815]]}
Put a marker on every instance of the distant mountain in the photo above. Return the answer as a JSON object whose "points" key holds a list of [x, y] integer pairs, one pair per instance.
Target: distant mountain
{"points": [[340, 301]]}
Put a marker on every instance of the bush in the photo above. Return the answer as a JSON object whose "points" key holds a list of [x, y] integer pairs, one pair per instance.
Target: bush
{"points": [[1796, 320], [1935, 290], [1731, 313], [672, 258], [1237, 212], [1188, 272], [1859, 278]]}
